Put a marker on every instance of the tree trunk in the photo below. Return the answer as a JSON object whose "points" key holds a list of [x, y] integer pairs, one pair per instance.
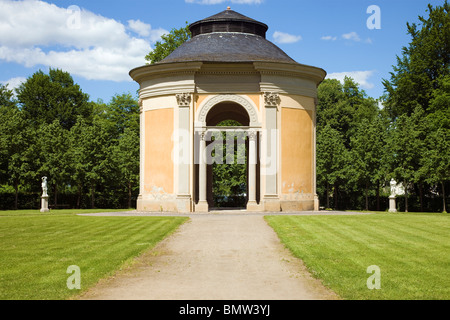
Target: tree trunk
{"points": [[56, 195], [443, 197], [378, 195], [367, 196], [421, 196], [80, 188], [129, 194], [327, 194], [93, 196], [16, 199], [406, 197], [336, 196]]}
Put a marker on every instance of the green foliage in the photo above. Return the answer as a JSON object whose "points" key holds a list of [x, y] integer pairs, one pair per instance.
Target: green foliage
{"points": [[230, 176], [418, 101], [89, 151], [344, 119], [360, 147], [45, 98], [169, 43], [422, 65]]}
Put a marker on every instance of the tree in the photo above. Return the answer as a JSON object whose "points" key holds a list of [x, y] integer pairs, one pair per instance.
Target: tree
{"points": [[7, 107], [332, 158], [367, 154], [121, 113], [435, 160], [343, 106], [341, 109], [45, 98], [230, 176], [125, 156], [54, 149], [422, 64], [90, 145], [170, 42], [419, 86], [17, 147], [407, 147]]}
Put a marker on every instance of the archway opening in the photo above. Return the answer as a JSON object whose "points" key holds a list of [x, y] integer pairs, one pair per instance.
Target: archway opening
{"points": [[229, 177], [227, 111], [227, 180]]}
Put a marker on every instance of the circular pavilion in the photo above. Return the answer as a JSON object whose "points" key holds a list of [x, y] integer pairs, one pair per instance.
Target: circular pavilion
{"points": [[228, 70]]}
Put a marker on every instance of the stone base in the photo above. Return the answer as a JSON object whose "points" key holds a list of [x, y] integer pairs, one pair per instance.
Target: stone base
{"points": [[253, 206], [156, 206], [184, 203], [316, 203], [392, 205], [44, 204], [299, 205], [202, 206], [272, 204]]}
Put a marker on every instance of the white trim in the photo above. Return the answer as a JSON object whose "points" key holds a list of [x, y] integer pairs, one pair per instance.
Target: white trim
{"points": [[244, 101]]}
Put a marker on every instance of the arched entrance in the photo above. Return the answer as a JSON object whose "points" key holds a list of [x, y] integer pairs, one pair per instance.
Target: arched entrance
{"points": [[227, 151]]}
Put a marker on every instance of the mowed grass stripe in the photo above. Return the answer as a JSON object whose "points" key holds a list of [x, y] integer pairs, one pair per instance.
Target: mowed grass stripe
{"points": [[36, 251], [412, 251]]}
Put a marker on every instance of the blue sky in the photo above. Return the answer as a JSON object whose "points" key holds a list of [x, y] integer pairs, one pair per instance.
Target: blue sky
{"points": [[99, 41]]}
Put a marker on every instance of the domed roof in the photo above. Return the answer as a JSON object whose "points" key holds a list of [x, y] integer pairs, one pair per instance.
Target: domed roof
{"points": [[228, 37], [228, 21]]}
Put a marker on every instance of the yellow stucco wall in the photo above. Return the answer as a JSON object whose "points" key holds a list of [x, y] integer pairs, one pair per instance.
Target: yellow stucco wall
{"points": [[296, 151], [159, 167], [255, 99]]}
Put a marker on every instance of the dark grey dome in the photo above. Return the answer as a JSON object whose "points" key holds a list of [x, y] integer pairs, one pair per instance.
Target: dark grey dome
{"points": [[228, 37], [228, 47], [228, 21]]}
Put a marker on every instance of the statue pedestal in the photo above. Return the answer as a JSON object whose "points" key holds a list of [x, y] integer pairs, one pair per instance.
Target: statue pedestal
{"points": [[392, 205], [44, 204]]}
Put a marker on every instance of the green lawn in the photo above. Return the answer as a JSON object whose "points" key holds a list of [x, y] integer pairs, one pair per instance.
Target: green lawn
{"points": [[411, 250], [36, 249]]}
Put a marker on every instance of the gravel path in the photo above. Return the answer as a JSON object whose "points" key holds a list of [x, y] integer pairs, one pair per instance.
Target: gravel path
{"points": [[215, 257]]}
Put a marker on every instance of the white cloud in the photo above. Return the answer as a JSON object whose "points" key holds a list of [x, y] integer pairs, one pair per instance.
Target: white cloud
{"points": [[329, 38], [80, 42], [14, 82], [361, 77], [353, 36], [141, 28], [145, 30], [222, 1], [281, 37]]}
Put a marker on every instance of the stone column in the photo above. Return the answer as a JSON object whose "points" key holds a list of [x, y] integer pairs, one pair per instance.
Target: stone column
{"points": [[141, 155], [202, 205], [392, 204], [44, 204], [184, 199], [252, 159], [271, 198], [316, 197]]}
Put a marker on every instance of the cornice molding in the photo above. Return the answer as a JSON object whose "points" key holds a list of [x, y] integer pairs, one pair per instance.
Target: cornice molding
{"points": [[291, 70], [167, 69]]}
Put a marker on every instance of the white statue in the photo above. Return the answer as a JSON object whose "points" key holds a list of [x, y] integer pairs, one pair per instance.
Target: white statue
{"points": [[397, 189], [393, 187], [44, 187]]}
